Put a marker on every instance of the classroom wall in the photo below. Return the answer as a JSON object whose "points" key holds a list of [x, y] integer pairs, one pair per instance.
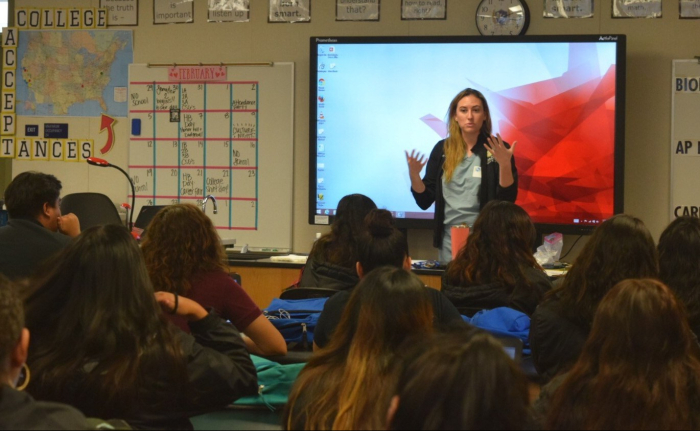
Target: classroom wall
{"points": [[652, 45]]}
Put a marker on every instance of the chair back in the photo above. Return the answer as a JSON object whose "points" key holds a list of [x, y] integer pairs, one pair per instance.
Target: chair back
{"points": [[307, 293], [92, 209]]}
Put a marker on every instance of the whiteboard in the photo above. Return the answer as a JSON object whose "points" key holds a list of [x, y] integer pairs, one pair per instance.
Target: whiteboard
{"points": [[231, 138]]}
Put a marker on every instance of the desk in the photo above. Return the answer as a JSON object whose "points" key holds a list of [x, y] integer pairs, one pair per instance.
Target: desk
{"points": [[264, 280]]}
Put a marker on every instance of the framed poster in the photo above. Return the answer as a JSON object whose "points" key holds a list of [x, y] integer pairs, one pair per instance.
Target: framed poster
{"points": [[568, 9], [423, 9], [689, 8], [121, 12], [290, 11], [357, 10], [636, 9], [229, 11], [173, 11]]}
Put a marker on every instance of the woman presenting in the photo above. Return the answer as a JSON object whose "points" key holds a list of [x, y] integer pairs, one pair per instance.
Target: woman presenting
{"points": [[465, 171]]}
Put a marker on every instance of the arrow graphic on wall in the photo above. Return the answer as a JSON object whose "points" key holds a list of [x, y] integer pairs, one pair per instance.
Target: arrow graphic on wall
{"points": [[108, 123]]}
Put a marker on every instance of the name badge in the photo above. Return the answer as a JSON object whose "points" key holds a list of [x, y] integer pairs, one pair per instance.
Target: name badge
{"points": [[477, 172]]}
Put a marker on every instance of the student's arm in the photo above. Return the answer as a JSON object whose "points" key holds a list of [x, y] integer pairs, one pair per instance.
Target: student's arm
{"points": [[263, 339]]}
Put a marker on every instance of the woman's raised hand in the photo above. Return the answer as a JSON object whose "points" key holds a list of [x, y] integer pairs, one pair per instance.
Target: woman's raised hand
{"points": [[499, 151], [416, 162]]}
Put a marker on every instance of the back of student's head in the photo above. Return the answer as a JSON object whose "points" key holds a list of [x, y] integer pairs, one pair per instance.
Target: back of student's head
{"points": [[347, 384], [620, 248], [180, 242], [498, 249], [460, 380], [29, 191], [339, 245], [11, 324], [639, 368], [95, 303], [679, 268], [381, 244]]}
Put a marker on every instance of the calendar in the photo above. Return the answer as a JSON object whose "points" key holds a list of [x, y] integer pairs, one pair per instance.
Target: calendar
{"points": [[197, 139]]}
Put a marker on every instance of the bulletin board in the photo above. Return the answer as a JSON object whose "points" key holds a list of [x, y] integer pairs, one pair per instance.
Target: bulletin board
{"points": [[685, 141], [225, 131]]}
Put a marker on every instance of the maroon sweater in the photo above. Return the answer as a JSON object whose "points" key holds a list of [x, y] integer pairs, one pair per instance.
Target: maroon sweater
{"points": [[217, 290]]}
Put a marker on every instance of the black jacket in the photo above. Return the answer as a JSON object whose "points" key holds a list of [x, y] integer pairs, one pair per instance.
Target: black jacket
{"points": [[470, 299], [18, 410], [25, 244], [556, 341], [319, 273], [219, 370], [489, 190]]}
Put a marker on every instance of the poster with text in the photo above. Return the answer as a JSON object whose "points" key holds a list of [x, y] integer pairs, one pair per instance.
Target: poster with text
{"points": [[685, 140], [689, 8], [357, 10], [636, 9], [424, 9], [121, 12], [290, 11], [173, 11], [229, 11], [568, 8]]}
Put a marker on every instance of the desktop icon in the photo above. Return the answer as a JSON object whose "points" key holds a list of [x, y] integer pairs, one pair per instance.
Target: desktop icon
{"points": [[327, 212], [321, 148], [321, 166], [576, 220], [321, 99], [332, 66], [321, 82], [321, 116], [321, 131], [322, 66], [320, 196], [331, 49], [321, 180]]}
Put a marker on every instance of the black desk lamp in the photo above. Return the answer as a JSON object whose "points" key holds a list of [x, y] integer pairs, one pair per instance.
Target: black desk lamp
{"points": [[94, 161]]}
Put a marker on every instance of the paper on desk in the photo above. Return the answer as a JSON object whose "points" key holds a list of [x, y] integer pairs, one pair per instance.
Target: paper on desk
{"points": [[289, 258]]}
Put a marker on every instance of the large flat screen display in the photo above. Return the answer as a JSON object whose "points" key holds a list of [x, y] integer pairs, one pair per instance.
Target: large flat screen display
{"points": [[560, 97]]}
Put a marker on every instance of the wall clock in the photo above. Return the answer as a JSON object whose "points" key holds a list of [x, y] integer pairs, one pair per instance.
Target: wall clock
{"points": [[502, 17]]}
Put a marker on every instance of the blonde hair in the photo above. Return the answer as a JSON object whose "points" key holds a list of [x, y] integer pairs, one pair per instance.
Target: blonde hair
{"points": [[455, 147]]}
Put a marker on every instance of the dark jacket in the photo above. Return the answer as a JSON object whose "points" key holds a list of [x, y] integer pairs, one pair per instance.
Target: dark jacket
{"points": [[470, 299], [556, 341], [319, 273], [489, 190], [219, 370], [18, 410], [25, 244]]}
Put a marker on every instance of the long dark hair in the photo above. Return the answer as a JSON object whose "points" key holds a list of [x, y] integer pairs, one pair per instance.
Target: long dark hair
{"points": [[94, 318], [180, 242], [639, 369], [498, 249], [679, 263], [619, 249], [339, 245], [381, 243], [348, 384], [461, 380]]}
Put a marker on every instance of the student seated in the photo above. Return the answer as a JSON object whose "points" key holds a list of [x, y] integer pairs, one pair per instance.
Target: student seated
{"points": [[18, 410], [639, 368], [101, 341], [463, 380], [679, 264], [496, 268], [184, 255], [332, 259], [381, 244], [620, 248], [349, 384], [36, 229]]}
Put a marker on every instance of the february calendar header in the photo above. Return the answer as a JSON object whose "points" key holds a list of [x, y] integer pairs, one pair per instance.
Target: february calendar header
{"points": [[197, 73]]}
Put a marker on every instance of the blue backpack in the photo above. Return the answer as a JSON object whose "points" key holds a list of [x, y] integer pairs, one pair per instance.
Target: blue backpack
{"points": [[296, 319], [504, 321]]}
